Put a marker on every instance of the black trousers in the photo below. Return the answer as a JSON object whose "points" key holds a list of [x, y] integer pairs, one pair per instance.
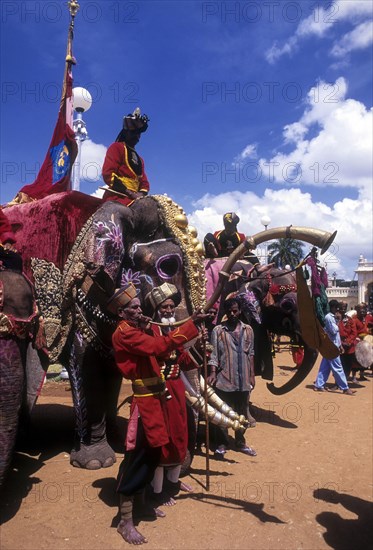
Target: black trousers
{"points": [[238, 401], [138, 467]]}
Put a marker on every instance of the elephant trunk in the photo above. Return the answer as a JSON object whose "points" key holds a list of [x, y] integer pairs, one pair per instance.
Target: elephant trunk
{"points": [[309, 359], [11, 383]]}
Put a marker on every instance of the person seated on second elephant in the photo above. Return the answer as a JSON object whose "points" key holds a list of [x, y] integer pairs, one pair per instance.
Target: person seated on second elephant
{"points": [[229, 238], [123, 169]]}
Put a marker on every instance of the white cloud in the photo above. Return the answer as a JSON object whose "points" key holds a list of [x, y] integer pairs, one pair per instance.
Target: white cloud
{"points": [[359, 38], [249, 152], [338, 151], [93, 155], [351, 218], [321, 20]]}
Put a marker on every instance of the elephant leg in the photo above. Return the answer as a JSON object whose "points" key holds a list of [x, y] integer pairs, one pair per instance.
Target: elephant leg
{"points": [[89, 384], [11, 383]]}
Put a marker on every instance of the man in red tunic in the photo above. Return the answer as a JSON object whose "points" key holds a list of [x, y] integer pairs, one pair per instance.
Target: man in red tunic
{"points": [[162, 301], [123, 169], [136, 353]]}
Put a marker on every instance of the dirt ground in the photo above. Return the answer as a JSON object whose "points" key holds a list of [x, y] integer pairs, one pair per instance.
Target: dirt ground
{"points": [[310, 487]]}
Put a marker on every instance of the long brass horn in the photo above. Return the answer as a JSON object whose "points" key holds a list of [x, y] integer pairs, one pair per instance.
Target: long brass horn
{"points": [[317, 237]]}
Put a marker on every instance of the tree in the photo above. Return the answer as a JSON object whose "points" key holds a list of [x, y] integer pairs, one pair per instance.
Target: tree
{"points": [[285, 252]]}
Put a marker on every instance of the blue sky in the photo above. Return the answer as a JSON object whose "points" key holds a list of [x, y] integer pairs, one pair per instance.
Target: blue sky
{"points": [[261, 108]]}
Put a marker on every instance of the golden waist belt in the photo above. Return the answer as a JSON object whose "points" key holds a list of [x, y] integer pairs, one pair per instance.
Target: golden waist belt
{"points": [[146, 387], [129, 183]]}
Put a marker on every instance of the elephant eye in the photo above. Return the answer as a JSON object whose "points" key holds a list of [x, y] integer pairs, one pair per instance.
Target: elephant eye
{"points": [[168, 266]]}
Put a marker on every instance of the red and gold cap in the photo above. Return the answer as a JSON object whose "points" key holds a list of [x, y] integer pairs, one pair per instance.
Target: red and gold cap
{"points": [[121, 298]]}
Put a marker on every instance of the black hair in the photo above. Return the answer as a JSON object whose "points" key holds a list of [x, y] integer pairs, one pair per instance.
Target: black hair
{"points": [[334, 303], [229, 303]]}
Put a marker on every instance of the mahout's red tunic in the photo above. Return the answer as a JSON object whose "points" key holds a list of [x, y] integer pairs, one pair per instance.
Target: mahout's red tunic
{"points": [[174, 451], [223, 239], [124, 169]]}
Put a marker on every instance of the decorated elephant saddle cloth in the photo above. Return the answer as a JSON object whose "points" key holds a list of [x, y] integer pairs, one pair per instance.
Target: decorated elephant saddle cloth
{"points": [[49, 227]]}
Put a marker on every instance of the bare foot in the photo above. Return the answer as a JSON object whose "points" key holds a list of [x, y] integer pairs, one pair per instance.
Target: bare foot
{"points": [[170, 502], [129, 532], [159, 513], [185, 487], [349, 392]]}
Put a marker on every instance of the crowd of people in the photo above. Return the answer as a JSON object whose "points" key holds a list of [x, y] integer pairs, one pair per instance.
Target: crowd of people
{"points": [[346, 329]]}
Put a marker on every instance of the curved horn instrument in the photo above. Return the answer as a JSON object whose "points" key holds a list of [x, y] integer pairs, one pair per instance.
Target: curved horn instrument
{"points": [[215, 401], [216, 417]]}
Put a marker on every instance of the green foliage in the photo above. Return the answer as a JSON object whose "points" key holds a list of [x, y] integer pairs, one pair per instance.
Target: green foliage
{"points": [[285, 252]]}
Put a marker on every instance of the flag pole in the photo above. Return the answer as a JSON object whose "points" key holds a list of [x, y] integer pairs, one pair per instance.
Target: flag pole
{"points": [[206, 416]]}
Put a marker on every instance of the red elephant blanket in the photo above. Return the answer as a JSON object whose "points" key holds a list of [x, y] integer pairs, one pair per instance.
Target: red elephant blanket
{"points": [[48, 228]]}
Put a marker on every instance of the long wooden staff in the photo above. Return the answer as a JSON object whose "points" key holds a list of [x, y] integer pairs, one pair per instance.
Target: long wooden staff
{"points": [[207, 432]]}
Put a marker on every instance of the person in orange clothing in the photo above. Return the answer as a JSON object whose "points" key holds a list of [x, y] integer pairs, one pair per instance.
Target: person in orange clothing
{"points": [[123, 169], [136, 351]]}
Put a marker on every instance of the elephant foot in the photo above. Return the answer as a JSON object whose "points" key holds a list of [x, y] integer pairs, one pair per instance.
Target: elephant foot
{"points": [[93, 457]]}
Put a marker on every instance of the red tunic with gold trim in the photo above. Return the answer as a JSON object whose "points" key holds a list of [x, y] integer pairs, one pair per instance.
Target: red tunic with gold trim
{"points": [[136, 355], [223, 239], [6, 233], [174, 451], [124, 169]]}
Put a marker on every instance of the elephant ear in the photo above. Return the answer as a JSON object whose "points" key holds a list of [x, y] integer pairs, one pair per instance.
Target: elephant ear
{"points": [[49, 295]]}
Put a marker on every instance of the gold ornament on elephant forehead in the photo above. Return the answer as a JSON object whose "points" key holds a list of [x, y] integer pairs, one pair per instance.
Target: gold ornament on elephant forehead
{"points": [[193, 231], [181, 221]]}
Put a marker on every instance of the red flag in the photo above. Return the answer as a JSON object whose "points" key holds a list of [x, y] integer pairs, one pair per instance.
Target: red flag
{"points": [[54, 174]]}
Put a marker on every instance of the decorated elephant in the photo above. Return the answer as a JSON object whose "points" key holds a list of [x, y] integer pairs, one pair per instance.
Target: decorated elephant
{"points": [[77, 250], [273, 301], [19, 328]]}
